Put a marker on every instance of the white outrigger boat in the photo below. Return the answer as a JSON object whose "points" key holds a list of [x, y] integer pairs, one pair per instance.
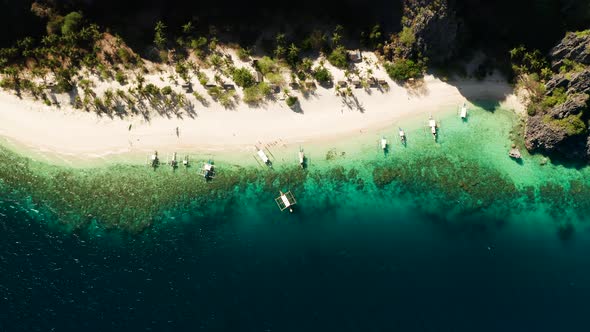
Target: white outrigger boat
{"points": [[285, 201], [463, 112], [384, 144], [402, 136], [433, 127], [262, 155], [301, 156], [185, 161]]}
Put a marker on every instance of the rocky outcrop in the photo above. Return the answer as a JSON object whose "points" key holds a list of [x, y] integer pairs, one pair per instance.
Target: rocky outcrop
{"points": [[546, 135], [574, 105], [562, 128], [430, 29], [574, 47], [571, 82]]}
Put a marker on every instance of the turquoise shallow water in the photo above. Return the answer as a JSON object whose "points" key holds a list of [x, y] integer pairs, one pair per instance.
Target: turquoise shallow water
{"points": [[452, 236]]}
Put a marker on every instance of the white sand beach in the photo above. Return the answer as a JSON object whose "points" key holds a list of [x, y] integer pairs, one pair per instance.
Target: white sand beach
{"points": [[66, 132]]}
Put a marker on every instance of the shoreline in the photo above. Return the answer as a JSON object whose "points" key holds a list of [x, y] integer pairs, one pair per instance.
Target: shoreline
{"points": [[75, 137]]}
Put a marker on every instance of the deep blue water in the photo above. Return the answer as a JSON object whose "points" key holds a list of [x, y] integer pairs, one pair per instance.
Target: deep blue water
{"points": [[389, 270]]}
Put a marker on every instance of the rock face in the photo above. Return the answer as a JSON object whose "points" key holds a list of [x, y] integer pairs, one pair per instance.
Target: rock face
{"points": [[562, 129], [434, 26], [543, 135], [574, 47]]}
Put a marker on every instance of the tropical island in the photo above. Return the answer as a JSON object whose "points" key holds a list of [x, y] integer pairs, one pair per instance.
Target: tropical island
{"points": [[82, 90]]}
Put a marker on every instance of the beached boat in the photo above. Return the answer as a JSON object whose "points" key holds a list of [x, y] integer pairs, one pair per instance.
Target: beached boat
{"points": [[464, 111], [384, 144], [154, 160], [433, 126], [262, 155], [208, 170], [301, 158], [285, 201], [402, 136], [185, 161]]}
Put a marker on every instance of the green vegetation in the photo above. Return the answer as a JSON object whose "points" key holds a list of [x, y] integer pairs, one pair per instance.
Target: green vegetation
{"points": [[200, 98], [571, 66], [339, 57], [72, 23], [557, 97], [121, 77], [407, 37], [243, 77], [243, 54], [573, 125], [267, 65], [528, 62], [293, 55], [322, 75], [256, 94], [167, 90], [404, 69], [291, 101], [583, 33], [160, 35]]}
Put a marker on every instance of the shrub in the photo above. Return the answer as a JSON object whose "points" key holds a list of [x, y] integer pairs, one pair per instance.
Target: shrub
{"points": [[121, 77], [267, 65], [215, 92], [243, 77], [573, 125], [339, 58], [407, 37], [255, 94], [243, 54], [402, 70], [291, 101], [226, 99], [322, 75], [72, 23], [166, 90], [558, 96]]}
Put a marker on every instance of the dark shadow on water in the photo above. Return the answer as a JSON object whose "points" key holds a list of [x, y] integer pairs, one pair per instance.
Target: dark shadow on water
{"points": [[560, 160], [566, 231]]}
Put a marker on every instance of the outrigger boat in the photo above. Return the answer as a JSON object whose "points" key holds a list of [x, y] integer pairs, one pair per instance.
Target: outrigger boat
{"points": [[185, 161], [173, 161], [433, 126], [464, 111], [402, 136], [208, 170], [285, 201], [155, 161], [262, 155], [301, 158], [383, 143]]}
